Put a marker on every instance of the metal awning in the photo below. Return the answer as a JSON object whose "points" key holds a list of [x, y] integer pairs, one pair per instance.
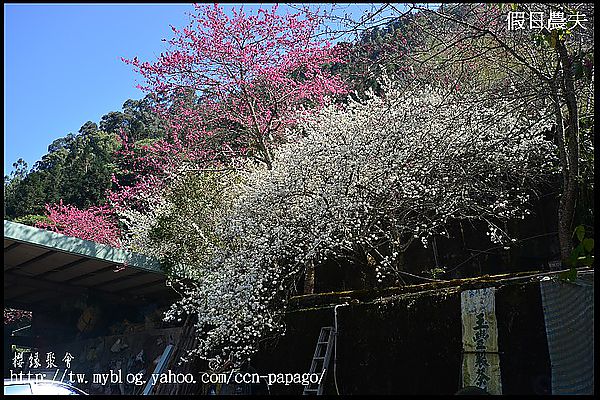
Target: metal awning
{"points": [[42, 269]]}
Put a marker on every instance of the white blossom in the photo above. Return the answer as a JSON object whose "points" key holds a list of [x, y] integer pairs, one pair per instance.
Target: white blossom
{"points": [[367, 178]]}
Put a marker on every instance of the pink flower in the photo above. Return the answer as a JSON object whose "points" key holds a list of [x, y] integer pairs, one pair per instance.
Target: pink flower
{"points": [[95, 223]]}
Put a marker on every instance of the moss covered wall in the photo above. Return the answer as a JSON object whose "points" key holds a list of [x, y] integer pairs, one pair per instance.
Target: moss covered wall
{"points": [[412, 344]]}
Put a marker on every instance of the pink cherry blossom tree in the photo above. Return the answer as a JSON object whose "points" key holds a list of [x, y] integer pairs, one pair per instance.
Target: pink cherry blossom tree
{"points": [[253, 75]]}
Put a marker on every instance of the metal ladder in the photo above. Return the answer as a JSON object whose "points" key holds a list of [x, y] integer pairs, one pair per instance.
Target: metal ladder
{"points": [[321, 358]]}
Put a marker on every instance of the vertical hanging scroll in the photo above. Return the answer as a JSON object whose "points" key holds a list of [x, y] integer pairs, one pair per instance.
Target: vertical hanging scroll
{"points": [[481, 362]]}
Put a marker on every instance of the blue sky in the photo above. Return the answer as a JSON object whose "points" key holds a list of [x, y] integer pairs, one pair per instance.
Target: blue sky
{"points": [[62, 65]]}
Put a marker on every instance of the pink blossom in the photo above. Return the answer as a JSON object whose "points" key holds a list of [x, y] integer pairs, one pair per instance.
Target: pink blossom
{"points": [[12, 315], [95, 223]]}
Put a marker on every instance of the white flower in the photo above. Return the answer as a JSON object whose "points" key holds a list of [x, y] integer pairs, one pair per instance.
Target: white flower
{"points": [[367, 177]]}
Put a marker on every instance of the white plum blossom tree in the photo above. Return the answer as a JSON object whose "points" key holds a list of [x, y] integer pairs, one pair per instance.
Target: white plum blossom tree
{"points": [[366, 179]]}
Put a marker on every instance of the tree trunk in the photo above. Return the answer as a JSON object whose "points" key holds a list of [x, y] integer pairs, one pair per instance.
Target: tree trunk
{"points": [[570, 146], [309, 278]]}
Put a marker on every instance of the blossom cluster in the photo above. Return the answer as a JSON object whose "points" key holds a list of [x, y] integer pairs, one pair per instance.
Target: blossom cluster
{"points": [[96, 224], [12, 315]]}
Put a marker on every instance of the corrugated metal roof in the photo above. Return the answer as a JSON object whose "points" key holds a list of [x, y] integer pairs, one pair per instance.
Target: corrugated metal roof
{"points": [[43, 268]]}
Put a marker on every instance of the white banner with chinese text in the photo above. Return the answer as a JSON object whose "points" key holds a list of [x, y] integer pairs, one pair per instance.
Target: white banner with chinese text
{"points": [[481, 362]]}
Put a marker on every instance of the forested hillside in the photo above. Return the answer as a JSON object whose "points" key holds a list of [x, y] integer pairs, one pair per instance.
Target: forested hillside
{"points": [[78, 168]]}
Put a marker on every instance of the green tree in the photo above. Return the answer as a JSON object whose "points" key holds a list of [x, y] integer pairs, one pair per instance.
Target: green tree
{"points": [[88, 168], [138, 119]]}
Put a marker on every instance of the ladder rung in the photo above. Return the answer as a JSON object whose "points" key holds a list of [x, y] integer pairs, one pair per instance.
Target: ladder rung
{"points": [[322, 353]]}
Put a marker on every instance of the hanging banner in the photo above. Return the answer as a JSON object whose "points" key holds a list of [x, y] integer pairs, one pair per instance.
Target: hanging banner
{"points": [[569, 318], [481, 362]]}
